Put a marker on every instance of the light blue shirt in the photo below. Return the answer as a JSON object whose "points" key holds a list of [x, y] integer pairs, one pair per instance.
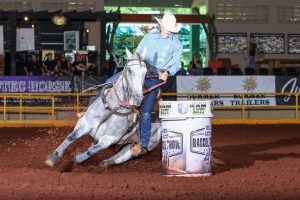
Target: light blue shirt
{"points": [[162, 53]]}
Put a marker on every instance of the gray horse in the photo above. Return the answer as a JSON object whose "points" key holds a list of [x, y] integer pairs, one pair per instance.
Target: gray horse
{"points": [[108, 119]]}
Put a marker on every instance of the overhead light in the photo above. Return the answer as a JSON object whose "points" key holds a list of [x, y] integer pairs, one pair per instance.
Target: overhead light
{"points": [[59, 20], [26, 18], [87, 30], [32, 25]]}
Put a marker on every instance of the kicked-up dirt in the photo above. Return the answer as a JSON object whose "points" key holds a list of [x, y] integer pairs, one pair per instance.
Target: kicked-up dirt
{"points": [[261, 162]]}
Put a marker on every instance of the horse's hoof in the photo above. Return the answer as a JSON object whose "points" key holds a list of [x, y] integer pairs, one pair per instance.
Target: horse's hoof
{"points": [[52, 160], [49, 163]]}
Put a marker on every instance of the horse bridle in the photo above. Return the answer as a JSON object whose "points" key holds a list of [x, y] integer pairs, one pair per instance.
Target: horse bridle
{"points": [[124, 76]]}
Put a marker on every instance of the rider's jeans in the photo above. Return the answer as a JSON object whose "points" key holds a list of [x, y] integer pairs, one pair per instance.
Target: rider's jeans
{"points": [[146, 109]]}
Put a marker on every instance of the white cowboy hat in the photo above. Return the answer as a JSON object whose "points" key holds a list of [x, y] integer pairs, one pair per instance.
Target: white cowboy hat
{"points": [[169, 23]]}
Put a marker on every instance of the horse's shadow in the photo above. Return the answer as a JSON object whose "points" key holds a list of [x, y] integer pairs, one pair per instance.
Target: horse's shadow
{"points": [[240, 156]]}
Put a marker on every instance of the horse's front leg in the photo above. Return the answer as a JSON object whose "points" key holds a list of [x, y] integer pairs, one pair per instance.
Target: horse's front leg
{"points": [[80, 129], [103, 143]]}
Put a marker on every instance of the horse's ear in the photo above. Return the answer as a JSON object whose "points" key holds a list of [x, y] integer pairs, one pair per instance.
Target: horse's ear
{"points": [[128, 53], [143, 56]]}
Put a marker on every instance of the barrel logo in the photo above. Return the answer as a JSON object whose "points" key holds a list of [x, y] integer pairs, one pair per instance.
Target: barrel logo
{"points": [[165, 110], [183, 108], [199, 143], [172, 142]]}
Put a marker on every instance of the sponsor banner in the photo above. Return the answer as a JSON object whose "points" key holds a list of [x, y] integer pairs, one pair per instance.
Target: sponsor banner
{"points": [[61, 84], [57, 84], [209, 88], [35, 84], [287, 84], [46, 84]]}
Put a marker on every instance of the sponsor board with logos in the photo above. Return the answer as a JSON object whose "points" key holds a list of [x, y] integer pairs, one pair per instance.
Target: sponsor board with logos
{"points": [[214, 87], [45, 84], [287, 84]]}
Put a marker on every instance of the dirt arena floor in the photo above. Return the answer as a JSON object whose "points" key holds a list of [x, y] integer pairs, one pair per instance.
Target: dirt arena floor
{"points": [[262, 162]]}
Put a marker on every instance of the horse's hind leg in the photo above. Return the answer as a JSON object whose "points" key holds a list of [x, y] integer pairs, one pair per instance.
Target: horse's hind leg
{"points": [[122, 156], [126, 154], [80, 130], [103, 143]]}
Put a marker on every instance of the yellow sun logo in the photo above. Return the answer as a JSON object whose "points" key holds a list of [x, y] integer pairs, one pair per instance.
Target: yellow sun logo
{"points": [[203, 84], [249, 84]]}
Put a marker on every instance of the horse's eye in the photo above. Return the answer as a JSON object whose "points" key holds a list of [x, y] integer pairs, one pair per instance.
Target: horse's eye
{"points": [[129, 70]]}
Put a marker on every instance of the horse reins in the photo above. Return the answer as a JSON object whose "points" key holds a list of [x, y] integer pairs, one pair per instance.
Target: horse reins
{"points": [[155, 86]]}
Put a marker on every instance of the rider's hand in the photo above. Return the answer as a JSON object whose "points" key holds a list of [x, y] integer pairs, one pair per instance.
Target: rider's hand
{"points": [[164, 76]]}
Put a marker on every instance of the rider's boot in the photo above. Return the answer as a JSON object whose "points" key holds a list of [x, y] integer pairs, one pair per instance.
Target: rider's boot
{"points": [[138, 150]]}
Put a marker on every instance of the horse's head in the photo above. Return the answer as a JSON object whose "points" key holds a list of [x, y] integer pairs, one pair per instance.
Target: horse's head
{"points": [[135, 71]]}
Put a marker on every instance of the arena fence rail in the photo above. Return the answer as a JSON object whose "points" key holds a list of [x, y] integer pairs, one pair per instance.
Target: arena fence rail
{"points": [[59, 109]]}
